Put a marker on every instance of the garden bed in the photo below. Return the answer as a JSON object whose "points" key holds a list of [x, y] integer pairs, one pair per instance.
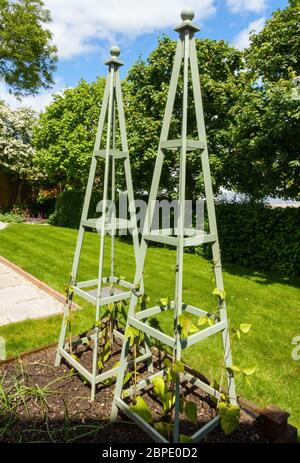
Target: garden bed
{"points": [[52, 404]]}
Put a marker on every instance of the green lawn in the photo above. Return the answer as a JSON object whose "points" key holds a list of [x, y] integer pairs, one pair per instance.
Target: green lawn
{"points": [[270, 304]]}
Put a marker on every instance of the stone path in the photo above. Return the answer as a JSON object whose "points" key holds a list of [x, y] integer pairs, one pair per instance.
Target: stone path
{"points": [[3, 225], [21, 299]]}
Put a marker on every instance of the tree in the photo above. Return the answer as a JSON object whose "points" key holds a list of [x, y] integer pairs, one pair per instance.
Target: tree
{"points": [[274, 52], [264, 159], [16, 151], [222, 81], [66, 131], [27, 56], [65, 135]]}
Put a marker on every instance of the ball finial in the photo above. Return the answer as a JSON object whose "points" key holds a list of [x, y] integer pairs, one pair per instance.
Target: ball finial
{"points": [[187, 14], [115, 51]]}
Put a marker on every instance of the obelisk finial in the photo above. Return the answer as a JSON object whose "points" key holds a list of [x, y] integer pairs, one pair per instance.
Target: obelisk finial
{"points": [[187, 16], [114, 53]]}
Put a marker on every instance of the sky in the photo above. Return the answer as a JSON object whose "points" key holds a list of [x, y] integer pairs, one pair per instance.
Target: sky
{"points": [[83, 31]]}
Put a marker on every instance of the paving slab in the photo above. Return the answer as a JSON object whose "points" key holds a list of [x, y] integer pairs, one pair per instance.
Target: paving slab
{"points": [[21, 299], [3, 225]]}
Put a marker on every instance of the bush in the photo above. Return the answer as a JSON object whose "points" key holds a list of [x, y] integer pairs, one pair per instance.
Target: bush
{"points": [[15, 215], [11, 217], [68, 208], [258, 236]]}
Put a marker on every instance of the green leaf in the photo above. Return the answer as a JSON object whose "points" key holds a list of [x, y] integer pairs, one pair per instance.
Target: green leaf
{"points": [[248, 371], [108, 382], [220, 293], [142, 409], [132, 334], [187, 325], [210, 321], [190, 410], [168, 400], [168, 363], [127, 377], [178, 367], [159, 386], [202, 320], [164, 301], [100, 364], [245, 327], [183, 439], [163, 428], [229, 417]]}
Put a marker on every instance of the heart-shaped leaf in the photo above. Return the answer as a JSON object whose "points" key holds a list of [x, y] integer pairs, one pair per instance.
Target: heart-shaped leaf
{"points": [[159, 386], [142, 409], [190, 410], [245, 327], [229, 417]]}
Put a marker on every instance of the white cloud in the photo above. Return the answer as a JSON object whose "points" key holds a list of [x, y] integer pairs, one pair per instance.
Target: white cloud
{"points": [[77, 24], [253, 6], [37, 102], [243, 38]]}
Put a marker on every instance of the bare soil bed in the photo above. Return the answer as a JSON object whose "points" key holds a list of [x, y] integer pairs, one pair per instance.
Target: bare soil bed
{"points": [[43, 403]]}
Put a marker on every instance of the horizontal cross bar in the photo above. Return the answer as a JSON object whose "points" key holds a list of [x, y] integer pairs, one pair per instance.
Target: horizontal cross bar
{"points": [[205, 429], [154, 311], [200, 335], [117, 224], [104, 301], [194, 310], [83, 371], [162, 337], [191, 145], [117, 154], [142, 384], [197, 382]]}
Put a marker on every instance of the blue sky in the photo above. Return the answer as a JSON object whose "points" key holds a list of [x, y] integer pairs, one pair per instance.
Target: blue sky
{"points": [[84, 31]]}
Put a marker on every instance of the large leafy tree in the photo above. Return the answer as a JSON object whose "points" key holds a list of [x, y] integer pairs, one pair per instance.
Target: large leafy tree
{"points": [[66, 131], [65, 135], [274, 52], [27, 55], [222, 81], [16, 150], [264, 158]]}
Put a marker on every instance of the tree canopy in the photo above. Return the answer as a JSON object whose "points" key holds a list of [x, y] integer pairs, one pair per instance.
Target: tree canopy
{"points": [[265, 158], [16, 150], [251, 116], [27, 55], [65, 135]]}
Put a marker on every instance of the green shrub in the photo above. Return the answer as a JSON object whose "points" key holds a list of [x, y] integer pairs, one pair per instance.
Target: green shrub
{"points": [[258, 236], [11, 217], [68, 208]]}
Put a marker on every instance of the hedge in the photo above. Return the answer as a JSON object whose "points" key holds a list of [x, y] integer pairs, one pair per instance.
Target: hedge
{"points": [[258, 236], [68, 208], [251, 234]]}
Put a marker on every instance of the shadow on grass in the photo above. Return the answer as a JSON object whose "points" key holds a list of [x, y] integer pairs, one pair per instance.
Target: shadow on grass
{"points": [[261, 277]]}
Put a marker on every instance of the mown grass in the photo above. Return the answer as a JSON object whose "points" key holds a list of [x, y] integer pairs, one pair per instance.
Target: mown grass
{"points": [[271, 304]]}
